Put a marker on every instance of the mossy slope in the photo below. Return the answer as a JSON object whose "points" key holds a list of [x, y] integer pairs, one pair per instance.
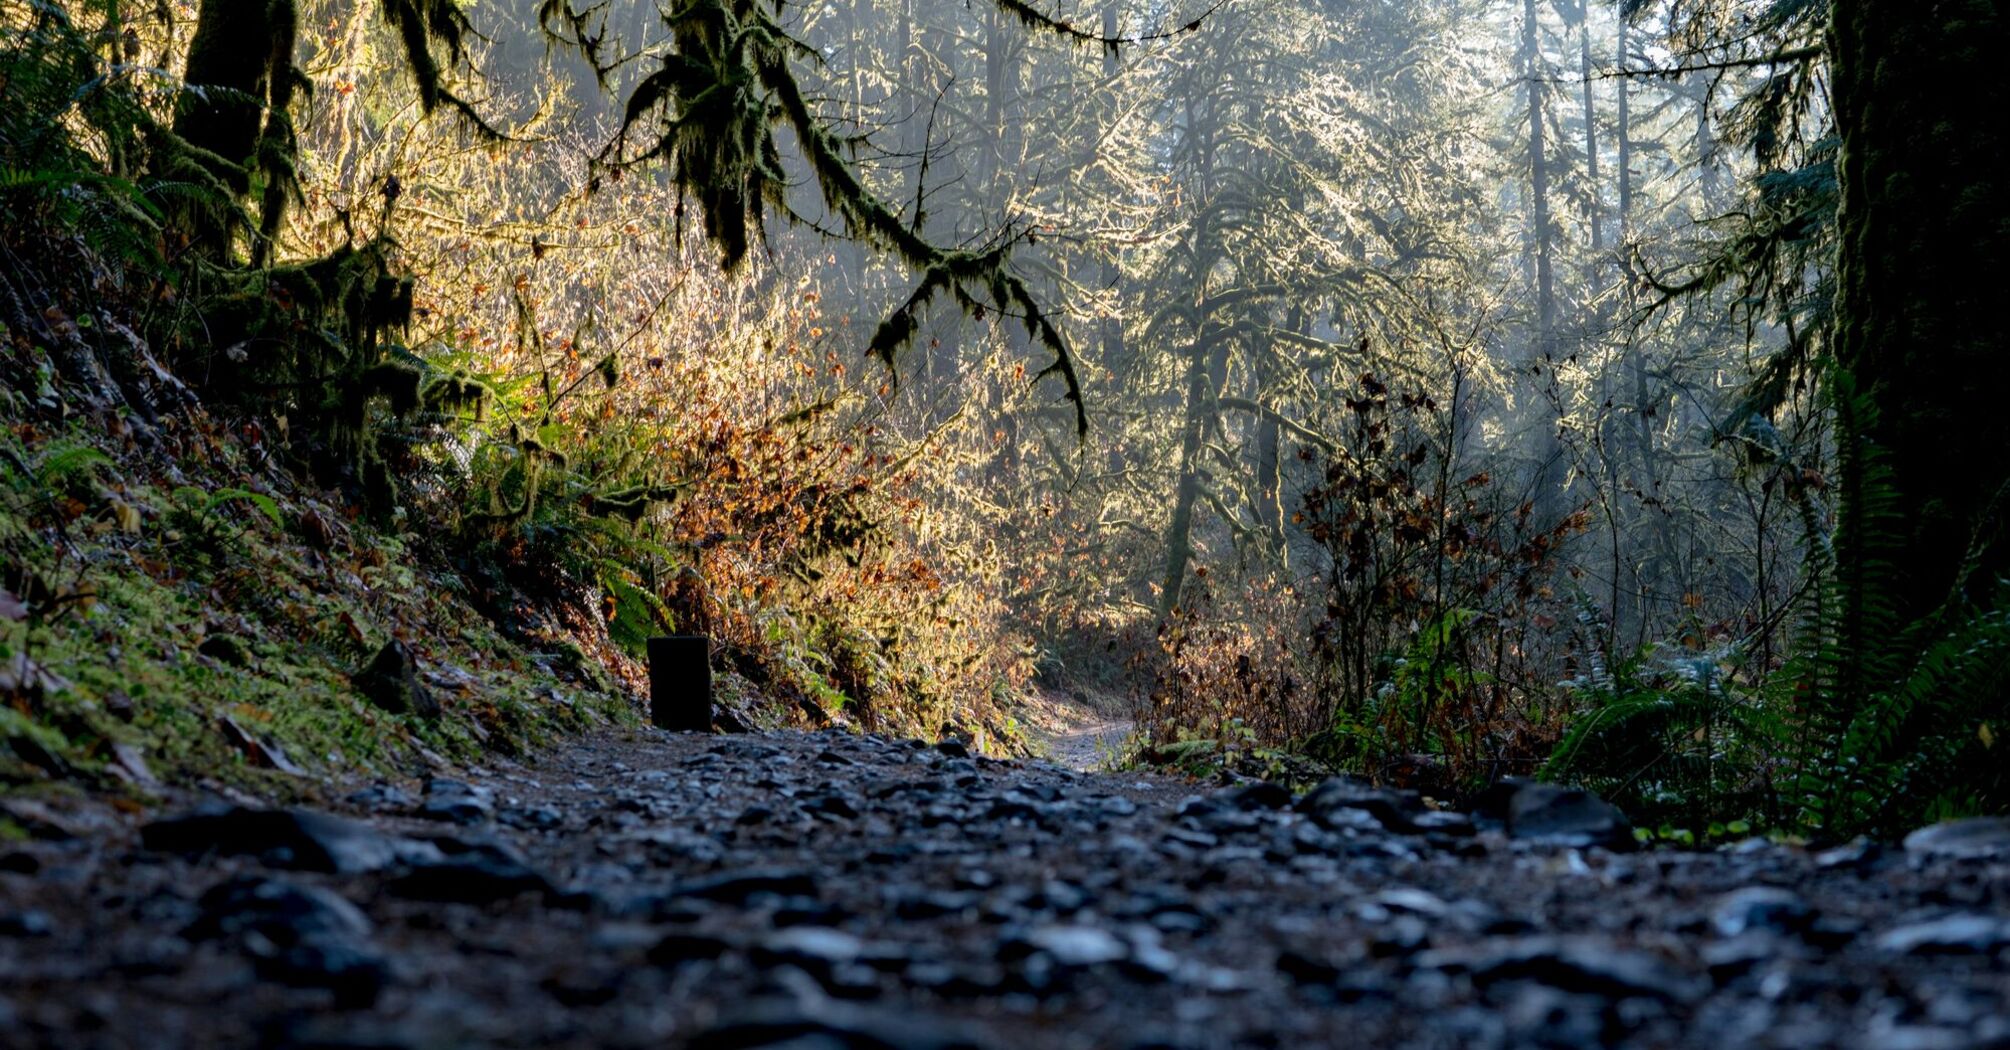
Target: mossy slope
{"points": [[187, 613]]}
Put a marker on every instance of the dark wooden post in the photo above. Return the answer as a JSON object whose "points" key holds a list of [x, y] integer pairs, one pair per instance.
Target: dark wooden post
{"points": [[680, 682]]}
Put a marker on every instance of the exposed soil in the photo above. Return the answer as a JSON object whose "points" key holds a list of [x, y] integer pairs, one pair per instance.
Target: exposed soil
{"points": [[831, 890]]}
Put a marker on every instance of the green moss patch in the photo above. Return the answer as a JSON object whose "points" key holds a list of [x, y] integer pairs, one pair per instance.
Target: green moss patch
{"points": [[152, 632]]}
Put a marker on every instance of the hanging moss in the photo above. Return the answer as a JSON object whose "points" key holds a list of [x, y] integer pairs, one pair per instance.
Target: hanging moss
{"points": [[726, 87]]}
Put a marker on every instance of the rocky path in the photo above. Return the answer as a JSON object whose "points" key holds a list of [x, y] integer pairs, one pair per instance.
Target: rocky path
{"points": [[828, 891], [1076, 732]]}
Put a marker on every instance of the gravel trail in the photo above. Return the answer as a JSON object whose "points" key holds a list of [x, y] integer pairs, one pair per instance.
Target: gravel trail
{"points": [[818, 891]]}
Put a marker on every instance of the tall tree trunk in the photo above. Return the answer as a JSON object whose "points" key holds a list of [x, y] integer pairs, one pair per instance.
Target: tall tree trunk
{"points": [[1206, 370], [996, 74], [1920, 327], [1270, 489], [1207, 367], [1711, 173], [1595, 210], [1538, 183], [1269, 495], [942, 355], [1625, 131], [1546, 486], [1112, 325]]}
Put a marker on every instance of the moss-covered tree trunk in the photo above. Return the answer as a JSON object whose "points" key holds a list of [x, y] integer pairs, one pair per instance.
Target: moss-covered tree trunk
{"points": [[239, 77], [1207, 369], [1921, 328]]}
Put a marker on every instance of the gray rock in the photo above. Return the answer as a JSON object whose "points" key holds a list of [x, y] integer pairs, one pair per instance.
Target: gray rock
{"points": [[469, 878], [226, 649], [1060, 896], [1950, 935], [1861, 853], [1411, 899], [1192, 838], [918, 904], [1561, 816], [1764, 908], [1444, 822], [300, 839], [1017, 807], [29, 923], [1069, 945], [1579, 965], [1734, 957], [302, 936], [818, 945], [1401, 936], [829, 804], [676, 949], [1114, 806], [1337, 802], [279, 909], [391, 682], [1548, 1017], [532, 818], [1227, 823], [823, 1023], [738, 887], [1307, 968], [354, 971], [1260, 794], [1977, 838], [139, 953], [457, 801], [382, 798]]}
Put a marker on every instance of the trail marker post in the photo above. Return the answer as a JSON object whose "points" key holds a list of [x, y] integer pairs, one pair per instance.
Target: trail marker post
{"points": [[680, 682]]}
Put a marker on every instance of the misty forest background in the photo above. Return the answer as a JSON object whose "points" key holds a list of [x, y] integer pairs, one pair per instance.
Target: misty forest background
{"points": [[1437, 390]]}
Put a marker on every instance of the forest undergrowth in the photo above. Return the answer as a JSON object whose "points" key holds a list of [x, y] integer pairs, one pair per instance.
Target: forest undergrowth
{"points": [[376, 400], [514, 441]]}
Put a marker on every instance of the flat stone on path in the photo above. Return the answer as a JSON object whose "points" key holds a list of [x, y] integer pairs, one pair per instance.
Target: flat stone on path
{"points": [[1566, 816], [301, 839], [1976, 838]]}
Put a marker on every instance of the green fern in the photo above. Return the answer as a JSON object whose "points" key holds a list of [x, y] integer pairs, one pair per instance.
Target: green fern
{"points": [[1667, 734], [63, 466], [1896, 722]]}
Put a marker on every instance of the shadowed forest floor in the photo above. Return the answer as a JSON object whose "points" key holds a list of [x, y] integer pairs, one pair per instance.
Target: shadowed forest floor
{"points": [[834, 890]]}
